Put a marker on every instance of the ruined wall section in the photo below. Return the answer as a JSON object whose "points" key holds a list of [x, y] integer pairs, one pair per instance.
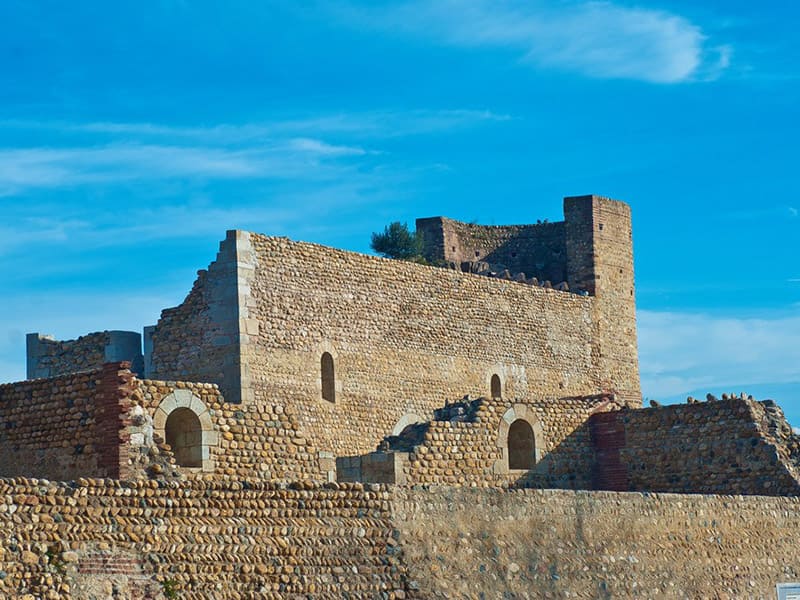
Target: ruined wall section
{"points": [[469, 543], [199, 340], [197, 539], [404, 338], [467, 445], [66, 427], [48, 357], [600, 261], [470, 453], [536, 250], [710, 448], [249, 440]]}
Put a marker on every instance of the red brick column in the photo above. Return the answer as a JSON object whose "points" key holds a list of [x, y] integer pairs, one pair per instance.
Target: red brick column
{"points": [[608, 438], [113, 417]]}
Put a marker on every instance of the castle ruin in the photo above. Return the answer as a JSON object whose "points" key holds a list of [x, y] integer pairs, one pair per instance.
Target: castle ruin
{"points": [[312, 408]]}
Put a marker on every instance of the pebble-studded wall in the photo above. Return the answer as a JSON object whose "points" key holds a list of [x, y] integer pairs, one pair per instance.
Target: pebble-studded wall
{"points": [[66, 427], [96, 539], [400, 338]]}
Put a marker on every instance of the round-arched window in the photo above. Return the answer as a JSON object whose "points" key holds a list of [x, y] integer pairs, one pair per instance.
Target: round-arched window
{"points": [[496, 386], [328, 377]]}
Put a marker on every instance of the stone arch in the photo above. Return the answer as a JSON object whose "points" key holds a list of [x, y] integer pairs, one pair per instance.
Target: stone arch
{"points": [[406, 420], [496, 386], [185, 419], [522, 419]]}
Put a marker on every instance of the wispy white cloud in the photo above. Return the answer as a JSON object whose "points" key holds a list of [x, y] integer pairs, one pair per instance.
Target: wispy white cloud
{"points": [[299, 148], [377, 124], [24, 168], [320, 148], [596, 38], [682, 352]]}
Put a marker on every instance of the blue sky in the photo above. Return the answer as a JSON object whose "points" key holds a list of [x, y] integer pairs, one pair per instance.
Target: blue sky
{"points": [[133, 135]]}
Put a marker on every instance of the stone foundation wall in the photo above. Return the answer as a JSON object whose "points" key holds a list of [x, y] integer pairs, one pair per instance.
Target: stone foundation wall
{"points": [[96, 539], [66, 427], [549, 544], [198, 539], [710, 447]]}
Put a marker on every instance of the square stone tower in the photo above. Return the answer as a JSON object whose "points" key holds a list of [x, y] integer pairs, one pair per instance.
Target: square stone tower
{"points": [[600, 260], [591, 250]]}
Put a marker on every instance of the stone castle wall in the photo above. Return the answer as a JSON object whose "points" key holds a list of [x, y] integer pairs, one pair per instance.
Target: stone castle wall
{"points": [[600, 260], [66, 427], [48, 357], [198, 340], [592, 250], [97, 539], [712, 448], [243, 539], [404, 339], [472, 543]]}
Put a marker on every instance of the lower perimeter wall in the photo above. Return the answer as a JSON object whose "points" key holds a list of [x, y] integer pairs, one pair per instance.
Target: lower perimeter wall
{"points": [[102, 539], [95, 539], [541, 544]]}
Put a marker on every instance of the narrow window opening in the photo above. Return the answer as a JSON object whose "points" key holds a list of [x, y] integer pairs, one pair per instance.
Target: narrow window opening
{"points": [[477, 252], [328, 377], [601, 227], [521, 446], [496, 386], [454, 248], [184, 434]]}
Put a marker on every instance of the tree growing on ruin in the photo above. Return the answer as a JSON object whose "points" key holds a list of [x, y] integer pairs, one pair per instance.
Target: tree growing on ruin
{"points": [[397, 241]]}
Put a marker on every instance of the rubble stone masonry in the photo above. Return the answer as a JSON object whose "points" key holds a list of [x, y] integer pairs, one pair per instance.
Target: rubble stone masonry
{"points": [[98, 539], [95, 539], [720, 447], [400, 339], [66, 427], [48, 357]]}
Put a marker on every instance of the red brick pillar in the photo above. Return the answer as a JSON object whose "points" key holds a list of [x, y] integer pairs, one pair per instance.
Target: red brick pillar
{"points": [[608, 439], [113, 402]]}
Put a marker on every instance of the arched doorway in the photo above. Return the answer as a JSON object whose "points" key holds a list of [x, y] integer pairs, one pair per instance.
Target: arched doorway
{"points": [[184, 434], [496, 386], [521, 445]]}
